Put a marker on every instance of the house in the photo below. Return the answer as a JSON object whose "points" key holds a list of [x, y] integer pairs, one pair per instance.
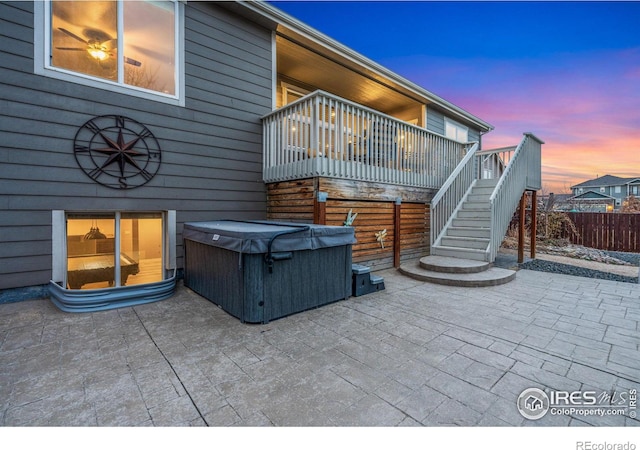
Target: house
{"points": [[121, 121], [605, 193]]}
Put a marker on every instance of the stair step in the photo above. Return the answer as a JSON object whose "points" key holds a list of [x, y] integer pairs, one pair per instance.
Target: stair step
{"points": [[476, 232], [465, 242], [493, 182], [475, 206], [473, 214], [479, 197], [471, 223], [483, 187], [457, 252], [492, 277], [360, 269], [447, 264], [363, 281]]}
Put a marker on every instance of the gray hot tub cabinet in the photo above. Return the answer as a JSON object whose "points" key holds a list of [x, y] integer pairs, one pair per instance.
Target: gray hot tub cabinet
{"points": [[261, 271]]}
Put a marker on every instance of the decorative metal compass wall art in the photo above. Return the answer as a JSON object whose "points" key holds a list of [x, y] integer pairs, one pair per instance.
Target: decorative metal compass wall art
{"points": [[117, 152]]}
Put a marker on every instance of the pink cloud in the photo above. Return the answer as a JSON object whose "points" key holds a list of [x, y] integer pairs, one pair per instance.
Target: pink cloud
{"points": [[585, 107]]}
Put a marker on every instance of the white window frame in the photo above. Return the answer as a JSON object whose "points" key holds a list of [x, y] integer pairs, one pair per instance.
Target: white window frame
{"points": [[602, 189], [290, 88], [461, 131], [618, 189], [42, 60], [59, 241]]}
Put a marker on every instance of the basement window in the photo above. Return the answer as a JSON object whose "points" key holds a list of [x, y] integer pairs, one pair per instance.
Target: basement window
{"points": [[98, 250], [113, 249]]}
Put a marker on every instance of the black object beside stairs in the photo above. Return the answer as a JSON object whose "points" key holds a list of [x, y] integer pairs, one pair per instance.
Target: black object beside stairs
{"points": [[364, 282]]}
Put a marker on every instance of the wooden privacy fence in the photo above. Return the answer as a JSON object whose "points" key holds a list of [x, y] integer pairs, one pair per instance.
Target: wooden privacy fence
{"points": [[606, 231]]}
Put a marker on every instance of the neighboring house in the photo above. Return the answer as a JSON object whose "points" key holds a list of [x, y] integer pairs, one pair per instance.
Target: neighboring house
{"points": [[123, 120], [604, 193]]}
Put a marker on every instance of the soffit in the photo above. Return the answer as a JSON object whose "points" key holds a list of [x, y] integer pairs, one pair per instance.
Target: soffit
{"points": [[305, 61], [343, 65]]}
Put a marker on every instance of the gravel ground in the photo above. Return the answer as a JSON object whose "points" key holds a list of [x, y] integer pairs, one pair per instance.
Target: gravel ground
{"points": [[567, 269], [632, 258]]}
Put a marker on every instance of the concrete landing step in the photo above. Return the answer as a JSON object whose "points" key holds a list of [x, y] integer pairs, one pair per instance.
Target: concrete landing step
{"points": [[491, 277], [447, 264]]}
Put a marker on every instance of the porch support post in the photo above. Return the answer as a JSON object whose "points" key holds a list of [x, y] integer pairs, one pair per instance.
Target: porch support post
{"points": [[534, 222], [523, 203], [320, 208], [396, 232]]}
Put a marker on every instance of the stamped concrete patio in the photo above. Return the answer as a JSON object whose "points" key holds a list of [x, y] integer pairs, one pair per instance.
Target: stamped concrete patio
{"points": [[414, 354]]}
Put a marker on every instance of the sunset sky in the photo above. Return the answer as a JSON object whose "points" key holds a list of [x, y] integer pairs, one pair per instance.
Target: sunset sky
{"points": [[567, 71]]}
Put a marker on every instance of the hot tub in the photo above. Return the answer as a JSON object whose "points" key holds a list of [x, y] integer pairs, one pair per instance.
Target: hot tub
{"points": [[260, 271]]}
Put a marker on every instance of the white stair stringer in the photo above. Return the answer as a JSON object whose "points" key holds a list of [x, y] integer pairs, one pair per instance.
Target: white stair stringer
{"points": [[467, 235]]}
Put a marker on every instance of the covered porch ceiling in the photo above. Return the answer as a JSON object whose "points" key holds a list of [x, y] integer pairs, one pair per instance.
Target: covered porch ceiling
{"points": [[307, 56], [309, 64]]}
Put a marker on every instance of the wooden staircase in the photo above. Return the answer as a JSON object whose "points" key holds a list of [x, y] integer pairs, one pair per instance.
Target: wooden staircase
{"points": [[470, 214], [468, 234]]}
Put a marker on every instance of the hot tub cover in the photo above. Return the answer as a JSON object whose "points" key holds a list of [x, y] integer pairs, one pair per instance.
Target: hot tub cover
{"points": [[254, 236]]}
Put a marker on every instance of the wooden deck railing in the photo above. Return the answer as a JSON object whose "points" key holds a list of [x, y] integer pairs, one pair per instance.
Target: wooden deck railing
{"points": [[452, 192], [325, 135], [517, 168], [522, 173]]}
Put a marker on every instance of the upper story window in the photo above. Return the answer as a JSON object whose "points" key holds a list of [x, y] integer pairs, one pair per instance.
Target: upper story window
{"points": [[134, 47], [291, 93], [456, 131]]}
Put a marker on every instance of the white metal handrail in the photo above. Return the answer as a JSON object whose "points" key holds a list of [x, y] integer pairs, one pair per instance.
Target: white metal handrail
{"points": [[492, 163], [451, 194], [521, 174], [517, 168], [325, 135]]}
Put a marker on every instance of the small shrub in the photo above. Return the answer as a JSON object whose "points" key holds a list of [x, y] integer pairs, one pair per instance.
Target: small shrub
{"points": [[553, 226], [631, 204]]}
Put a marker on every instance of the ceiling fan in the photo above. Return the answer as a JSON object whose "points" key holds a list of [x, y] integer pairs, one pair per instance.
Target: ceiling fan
{"points": [[98, 44]]}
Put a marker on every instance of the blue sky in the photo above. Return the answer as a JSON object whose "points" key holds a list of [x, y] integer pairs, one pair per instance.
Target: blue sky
{"points": [[567, 71]]}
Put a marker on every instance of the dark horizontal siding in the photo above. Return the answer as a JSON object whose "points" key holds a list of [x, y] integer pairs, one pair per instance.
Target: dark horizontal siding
{"points": [[212, 148]]}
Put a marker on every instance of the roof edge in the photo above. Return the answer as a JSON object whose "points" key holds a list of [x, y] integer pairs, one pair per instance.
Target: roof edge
{"points": [[281, 18]]}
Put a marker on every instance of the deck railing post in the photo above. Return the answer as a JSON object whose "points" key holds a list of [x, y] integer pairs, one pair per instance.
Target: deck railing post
{"points": [[521, 222], [534, 222], [320, 208], [396, 231]]}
